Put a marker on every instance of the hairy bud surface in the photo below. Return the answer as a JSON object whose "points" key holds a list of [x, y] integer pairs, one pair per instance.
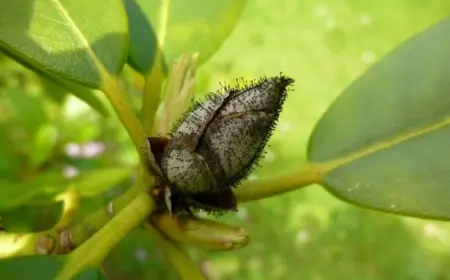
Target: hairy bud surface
{"points": [[219, 141]]}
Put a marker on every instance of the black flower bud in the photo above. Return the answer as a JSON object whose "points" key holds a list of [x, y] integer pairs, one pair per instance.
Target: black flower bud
{"points": [[219, 141]]}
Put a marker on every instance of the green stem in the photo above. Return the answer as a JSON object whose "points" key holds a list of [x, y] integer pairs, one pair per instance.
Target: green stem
{"points": [[83, 231], [116, 96], [128, 218], [259, 189], [107, 237], [186, 268], [154, 80], [152, 92], [16, 244]]}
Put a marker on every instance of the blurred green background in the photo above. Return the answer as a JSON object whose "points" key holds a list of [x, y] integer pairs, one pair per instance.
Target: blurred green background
{"points": [[307, 234]]}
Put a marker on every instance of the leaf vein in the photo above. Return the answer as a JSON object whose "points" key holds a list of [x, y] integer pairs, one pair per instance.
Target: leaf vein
{"points": [[384, 145], [78, 34]]}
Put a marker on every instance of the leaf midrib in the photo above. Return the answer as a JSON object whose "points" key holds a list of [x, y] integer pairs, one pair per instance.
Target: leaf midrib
{"points": [[335, 164], [79, 35]]}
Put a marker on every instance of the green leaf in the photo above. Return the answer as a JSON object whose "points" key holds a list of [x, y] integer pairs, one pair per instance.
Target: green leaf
{"points": [[76, 40], [384, 141], [90, 273], [96, 182], [179, 27], [9, 161], [42, 145], [57, 93], [37, 267], [27, 109], [40, 190], [41, 267], [31, 218], [45, 188], [57, 89], [137, 256]]}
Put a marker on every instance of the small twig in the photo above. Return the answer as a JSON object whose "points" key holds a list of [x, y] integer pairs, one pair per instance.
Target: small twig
{"points": [[151, 96], [16, 244], [49, 242], [83, 231], [154, 80], [107, 237], [71, 203], [259, 189], [186, 268], [116, 96]]}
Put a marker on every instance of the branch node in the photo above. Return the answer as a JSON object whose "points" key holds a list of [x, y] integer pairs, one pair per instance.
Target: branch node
{"points": [[110, 209], [66, 242], [45, 244]]}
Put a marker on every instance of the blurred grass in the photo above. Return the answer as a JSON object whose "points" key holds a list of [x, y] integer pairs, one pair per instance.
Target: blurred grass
{"points": [[309, 234]]}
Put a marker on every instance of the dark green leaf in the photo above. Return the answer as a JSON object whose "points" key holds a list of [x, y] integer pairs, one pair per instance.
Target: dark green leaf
{"points": [[137, 257], [31, 218], [384, 141], [58, 89], [9, 162], [91, 273], [41, 189], [185, 26], [45, 188], [27, 109], [76, 40], [96, 182], [31, 268], [42, 268], [57, 93], [42, 145]]}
